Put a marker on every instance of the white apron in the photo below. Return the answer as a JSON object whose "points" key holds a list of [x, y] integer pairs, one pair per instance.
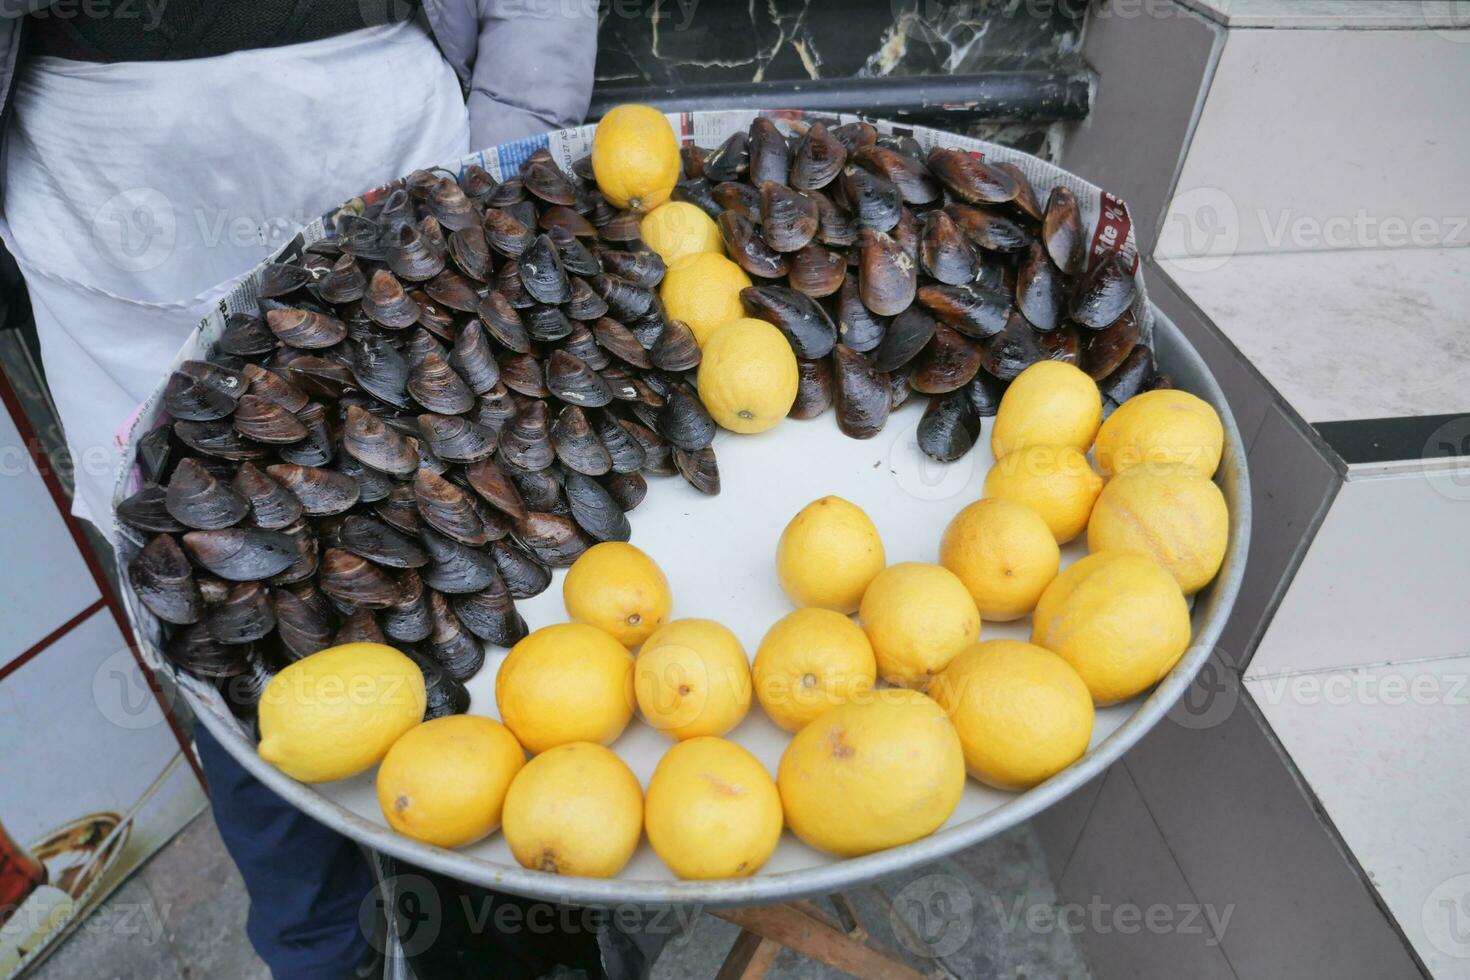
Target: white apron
{"points": [[136, 194]]}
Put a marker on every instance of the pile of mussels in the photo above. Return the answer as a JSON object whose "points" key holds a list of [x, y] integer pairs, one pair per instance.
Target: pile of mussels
{"points": [[463, 386]]}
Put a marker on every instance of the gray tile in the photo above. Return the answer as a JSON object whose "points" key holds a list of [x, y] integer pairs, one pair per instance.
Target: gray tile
{"points": [[123, 939], [1133, 910], [1059, 826], [1229, 808]]}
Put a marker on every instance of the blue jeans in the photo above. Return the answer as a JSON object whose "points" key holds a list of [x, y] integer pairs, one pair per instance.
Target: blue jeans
{"points": [[306, 883]]}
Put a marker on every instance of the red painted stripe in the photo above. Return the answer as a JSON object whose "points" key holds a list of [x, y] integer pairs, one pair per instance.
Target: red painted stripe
{"points": [[50, 638], [63, 506]]}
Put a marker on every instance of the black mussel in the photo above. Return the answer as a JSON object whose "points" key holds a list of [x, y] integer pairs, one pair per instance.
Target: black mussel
{"points": [[738, 196], [1102, 351], [436, 319], [971, 309], [443, 695], [522, 374], [470, 250], [318, 376], [625, 300], [576, 257], [947, 363], [372, 485], [912, 179], [1135, 374], [197, 498], [367, 439], [906, 233], [813, 389], [985, 391], [991, 231], [906, 335], [539, 489], [360, 627], [544, 179], [577, 445], [157, 454], [1013, 350], [218, 439], [624, 453], [241, 554], [647, 326], [197, 397], [477, 182], [317, 448], [570, 379], [305, 329], [1062, 344], [542, 274], [626, 387], [508, 192], [862, 397], [560, 217], [146, 510], [381, 371], [302, 626], [943, 251], [453, 291], [684, 421], [508, 284], [552, 539], [834, 226], [164, 582], [196, 651], [526, 441], [407, 618], [262, 420], [1040, 293], [397, 209], [1105, 293], [622, 227], [1025, 201], [400, 509], [770, 157], [819, 159], [887, 275], [594, 509], [1159, 382], [268, 384], [547, 323], [435, 385], [419, 184], [412, 254], [626, 489], [899, 390], [1061, 230], [749, 250], [874, 200], [730, 160], [855, 135], [580, 343], [585, 305], [491, 615], [691, 161], [448, 509], [789, 218], [455, 568], [805, 324], [362, 237], [246, 336], [699, 469], [507, 234], [949, 427], [971, 179], [379, 543], [282, 278], [494, 408], [642, 268], [450, 646], [472, 359], [456, 439], [503, 323], [817, 271], [386, 302], [304, 556], [676, 349], [272, 506], [245, 616], [355, 581], [321, 492], [858, 327], [448, 202]]}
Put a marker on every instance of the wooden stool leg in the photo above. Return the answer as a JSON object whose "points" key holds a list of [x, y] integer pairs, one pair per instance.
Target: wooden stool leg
{"points": [[749, 958], [811, 936]]}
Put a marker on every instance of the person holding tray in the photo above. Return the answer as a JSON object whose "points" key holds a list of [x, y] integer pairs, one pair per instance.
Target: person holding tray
{"points": [[156, 152]]}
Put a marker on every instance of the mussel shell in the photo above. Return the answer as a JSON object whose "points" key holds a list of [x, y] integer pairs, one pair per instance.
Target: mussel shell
{"points": [[477, 182], [1061, 230], [407, 620], [577, 445], [1102, 351], [970, 179], [887, 275], [875, 202], [1105, 293], [508, 192], [372, 485], [576, 257], [506, 233], [817, 271], [542, 274], [624, 226], [568, 221], [834, 226], [318, 376], [581, 343], [443, 695], [456, 439], [553, 539], [387, 303], [360, 627], [451, 290], [342, 282], [1025, 201], [899, 390], [193, 649], [367, 439], [547, 323], [539, 489], [585, 304], [157, 454], [321, 492], [730, 160], [684, 421], [594, 509], [1135, 374], [198, 499], [676, 349], [738, 196], [304, 555], [1013, 350], [991, 231], [163, 580], [504, 324], [642, 267], [947, 363], [495, 408], [912, 179], [971, 309], [789, 218], [985, 391], [769, 155], [302, 626], [245, 616], [819, 158], [354, 580], [412, 254], [400, 509], [305, 329], [262, 420], [1040, 293], [699, 469], [491, 615], [246, 336], [379, 543], [862, 396], [943, 251], [241, 554], [814, 389], [274, 387], [570, 379], [526, 442], [545, 180], [219, 439], [801, 319], [949, 427], [906, 335], [619, 341], [448, 509], [146, 510], [272, 506], [625, 300], [858, 327], [627, 489], [186, 396], [281, 279], [470, 250], [436, 386], [488, 480], [749, 250]]}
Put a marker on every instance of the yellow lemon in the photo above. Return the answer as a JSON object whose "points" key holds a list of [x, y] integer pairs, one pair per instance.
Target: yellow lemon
{"points": [[1118, 618], [703, 290], [576, 809], [675, 229], [1167, 511], [872, 774], [1004, 553], [917, 617], [335, 713], [712, 810], [811, 660], [635, 157], [1049, 404], [747, 375], [1055, 481], [828, 555], [444, 782], [619, 589], [1022, 712], [692, 678], [1162, 426], [566, 683]]}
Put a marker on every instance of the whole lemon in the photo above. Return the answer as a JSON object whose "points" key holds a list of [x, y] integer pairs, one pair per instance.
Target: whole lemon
{"points": [[828, 555], [1004, 553], [692, 678], [619, 589], [703, 290], [635, 157], [1167, 511], [444, 781], [811, 660], [675, 229], [1049, 404], [576, 809], [917, 617], [712, 810], [1022, 713], [1162, 426], [747, 375], [335, 713], [566, 683], [872, 774], [1118, 618], [1055, 481]]}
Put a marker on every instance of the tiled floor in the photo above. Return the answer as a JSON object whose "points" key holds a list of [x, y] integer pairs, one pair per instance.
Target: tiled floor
{"points": [[182, 917]]}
